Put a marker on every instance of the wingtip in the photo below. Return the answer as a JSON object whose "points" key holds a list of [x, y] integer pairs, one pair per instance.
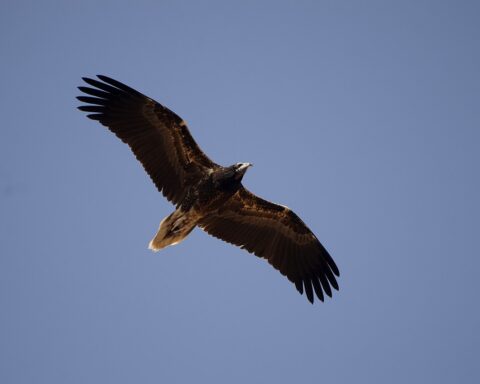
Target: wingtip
{"points": [[82, 88], [95, 116], [334, 284], [333, 266], [299, 286]]}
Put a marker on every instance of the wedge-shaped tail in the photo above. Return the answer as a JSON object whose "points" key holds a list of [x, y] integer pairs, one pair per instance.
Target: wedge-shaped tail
{"points": [[173, 229]]}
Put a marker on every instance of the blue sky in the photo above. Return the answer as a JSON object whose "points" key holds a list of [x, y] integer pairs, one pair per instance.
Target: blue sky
{"points": [[363, 117]]}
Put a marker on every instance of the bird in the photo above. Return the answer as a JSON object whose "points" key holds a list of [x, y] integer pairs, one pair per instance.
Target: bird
{"points": [[205, 194]]}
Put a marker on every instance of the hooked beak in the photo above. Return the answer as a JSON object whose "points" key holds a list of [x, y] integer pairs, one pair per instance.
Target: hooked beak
{"points": [[243, 167]]}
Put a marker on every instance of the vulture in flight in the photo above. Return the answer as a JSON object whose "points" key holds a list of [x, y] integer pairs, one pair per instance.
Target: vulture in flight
{"points": [[206, 194]]}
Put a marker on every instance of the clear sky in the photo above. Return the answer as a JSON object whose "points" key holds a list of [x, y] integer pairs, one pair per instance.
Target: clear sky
{"points": [[362, 116]]}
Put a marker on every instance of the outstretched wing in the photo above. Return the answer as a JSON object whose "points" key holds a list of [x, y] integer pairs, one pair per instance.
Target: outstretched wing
{"points": [[157, 136], [277, 234]]}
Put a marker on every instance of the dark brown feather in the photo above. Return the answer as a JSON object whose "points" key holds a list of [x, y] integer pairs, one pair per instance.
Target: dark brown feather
{"points": [[277, 234], [157, 136]]}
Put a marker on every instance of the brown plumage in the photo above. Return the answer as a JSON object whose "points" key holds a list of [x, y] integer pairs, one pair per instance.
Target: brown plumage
{"points": [[206, 194]]}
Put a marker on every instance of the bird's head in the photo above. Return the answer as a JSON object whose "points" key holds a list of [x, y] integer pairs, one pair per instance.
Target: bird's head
{"points": [[240, 169], [230, 178]]}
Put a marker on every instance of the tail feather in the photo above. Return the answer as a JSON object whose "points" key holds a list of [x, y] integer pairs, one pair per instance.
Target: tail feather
{"points": [[173, 229]]}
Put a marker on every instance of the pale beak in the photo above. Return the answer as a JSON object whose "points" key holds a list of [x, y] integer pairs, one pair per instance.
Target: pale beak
{"points": [[244, 166]]}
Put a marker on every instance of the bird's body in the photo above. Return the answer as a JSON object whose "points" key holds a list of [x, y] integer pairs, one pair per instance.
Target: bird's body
{"points": [[206, 194], [202, 200]]}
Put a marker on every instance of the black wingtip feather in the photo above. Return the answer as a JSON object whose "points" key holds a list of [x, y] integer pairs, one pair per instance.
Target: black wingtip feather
{"points": [[92, 100], [325, 285], [111, 81], [103, 86], [91, 108], [299, 286], [332, 280], [96, 116], [334, 284], [118, 84], [332, 264], [318, 289], [94, 92], [308, 290]]}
